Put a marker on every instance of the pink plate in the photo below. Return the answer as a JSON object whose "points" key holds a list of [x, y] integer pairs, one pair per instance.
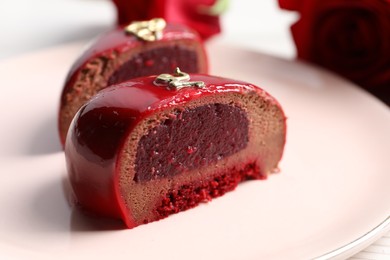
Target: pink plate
{"points": [[331, 198]]}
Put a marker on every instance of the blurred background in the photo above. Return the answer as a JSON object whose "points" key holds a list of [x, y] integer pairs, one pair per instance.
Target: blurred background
{"points": [[29, 25], [354, 38]]}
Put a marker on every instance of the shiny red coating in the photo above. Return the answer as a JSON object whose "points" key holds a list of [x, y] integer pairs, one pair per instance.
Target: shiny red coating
{"points": [[119, 41], [98, 131]]}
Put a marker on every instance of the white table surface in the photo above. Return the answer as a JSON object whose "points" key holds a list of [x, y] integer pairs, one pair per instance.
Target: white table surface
{"points": [[30, 25]]}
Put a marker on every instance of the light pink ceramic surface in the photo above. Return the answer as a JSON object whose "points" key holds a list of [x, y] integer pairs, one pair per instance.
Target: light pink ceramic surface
{"points": [[333, 187]]}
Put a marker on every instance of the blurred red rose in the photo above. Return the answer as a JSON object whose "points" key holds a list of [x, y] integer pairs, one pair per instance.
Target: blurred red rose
{"points": [[197, 14], [350, 37]]}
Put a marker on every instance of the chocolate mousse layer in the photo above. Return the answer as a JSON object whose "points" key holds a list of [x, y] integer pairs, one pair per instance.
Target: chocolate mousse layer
{"points": [[222, 141]]}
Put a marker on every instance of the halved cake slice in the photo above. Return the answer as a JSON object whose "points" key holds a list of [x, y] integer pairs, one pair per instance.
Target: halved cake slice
{"points": [[140, 49], [154, 146]]}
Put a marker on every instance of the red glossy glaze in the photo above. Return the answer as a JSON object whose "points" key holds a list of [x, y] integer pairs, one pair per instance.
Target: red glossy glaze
{"points": [[96, 136], [117, 40]]}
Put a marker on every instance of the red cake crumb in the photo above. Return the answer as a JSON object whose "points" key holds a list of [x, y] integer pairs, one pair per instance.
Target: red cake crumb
{"points": [[190, 195]]}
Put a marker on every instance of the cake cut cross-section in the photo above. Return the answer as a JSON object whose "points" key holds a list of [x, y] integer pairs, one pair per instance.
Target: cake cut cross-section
{"points": [[154, 146], [140, 49]]}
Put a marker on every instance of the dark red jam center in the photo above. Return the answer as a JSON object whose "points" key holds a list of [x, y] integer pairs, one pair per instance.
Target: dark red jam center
{"points": [[194, 138], [156, 61]]}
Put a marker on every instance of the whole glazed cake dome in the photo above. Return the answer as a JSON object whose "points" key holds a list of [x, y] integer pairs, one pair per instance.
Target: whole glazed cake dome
{"points": [[154, 146], [139, 49]]}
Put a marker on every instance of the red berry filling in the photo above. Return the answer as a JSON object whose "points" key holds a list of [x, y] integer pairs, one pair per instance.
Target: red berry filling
{"points": [[156, 61], [195, 138]]}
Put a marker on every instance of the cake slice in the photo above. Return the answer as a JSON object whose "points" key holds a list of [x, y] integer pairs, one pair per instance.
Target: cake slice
{"points": [[154, 146], [140, 49]]}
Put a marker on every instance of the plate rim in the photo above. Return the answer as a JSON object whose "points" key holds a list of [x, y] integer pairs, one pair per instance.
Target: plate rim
{"points": [[363, 241]]}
